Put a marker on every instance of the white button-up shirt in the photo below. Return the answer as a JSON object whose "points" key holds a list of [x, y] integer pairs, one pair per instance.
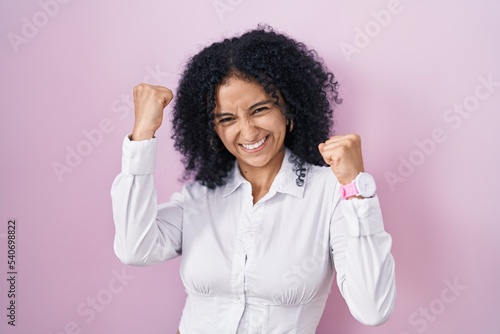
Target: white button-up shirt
{"points": [[256, 268]]}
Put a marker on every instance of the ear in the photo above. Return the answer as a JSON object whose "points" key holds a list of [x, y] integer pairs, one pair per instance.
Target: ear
{"points": [[289, 124]]}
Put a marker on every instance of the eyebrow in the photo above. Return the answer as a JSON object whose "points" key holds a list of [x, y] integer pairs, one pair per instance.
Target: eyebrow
{"points": [[258, 104], [253, 106]]}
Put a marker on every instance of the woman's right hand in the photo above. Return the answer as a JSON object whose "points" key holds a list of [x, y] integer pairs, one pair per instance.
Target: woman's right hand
{"points": [[149, 102]]}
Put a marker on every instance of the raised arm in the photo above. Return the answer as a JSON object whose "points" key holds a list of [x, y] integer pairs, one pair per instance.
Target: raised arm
{"points": [[361, 247], [144, 233]]}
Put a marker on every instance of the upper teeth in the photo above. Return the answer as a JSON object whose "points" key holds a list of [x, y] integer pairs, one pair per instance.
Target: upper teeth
{"points": [[254, 146]]}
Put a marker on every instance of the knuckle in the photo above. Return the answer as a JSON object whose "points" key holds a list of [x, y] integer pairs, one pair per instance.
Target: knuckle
{"points": [[348, 143], [355, 137], [170, 95], [140, 88]]}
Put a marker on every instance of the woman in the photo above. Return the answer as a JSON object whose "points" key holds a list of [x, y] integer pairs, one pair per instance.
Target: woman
{"points": [[265, 221]]}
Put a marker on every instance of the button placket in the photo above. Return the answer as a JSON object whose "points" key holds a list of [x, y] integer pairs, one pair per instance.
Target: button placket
{"points": [[240, 256]]}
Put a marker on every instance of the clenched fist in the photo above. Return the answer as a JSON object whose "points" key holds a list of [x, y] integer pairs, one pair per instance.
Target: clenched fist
{"points": [[343, 154], [149, 102]]}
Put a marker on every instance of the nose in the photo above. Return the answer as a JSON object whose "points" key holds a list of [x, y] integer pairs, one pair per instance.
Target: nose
{"points": [[248, 131]]}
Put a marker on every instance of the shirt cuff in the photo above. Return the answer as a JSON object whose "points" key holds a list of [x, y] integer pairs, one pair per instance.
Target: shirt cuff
{"points": [[138, 157], [363, 216]]}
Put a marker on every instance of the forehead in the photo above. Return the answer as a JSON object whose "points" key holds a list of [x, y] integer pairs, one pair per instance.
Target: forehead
{"points": [[235, 92]]}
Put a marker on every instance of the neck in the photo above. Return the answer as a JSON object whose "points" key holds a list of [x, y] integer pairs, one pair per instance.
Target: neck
{"points": [[261, 178]]}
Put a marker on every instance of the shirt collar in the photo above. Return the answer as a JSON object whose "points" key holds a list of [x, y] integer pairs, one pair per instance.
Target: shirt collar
{"points": [[284, 182]]}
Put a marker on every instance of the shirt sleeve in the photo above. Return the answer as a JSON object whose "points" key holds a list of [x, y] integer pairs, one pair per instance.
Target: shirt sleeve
{"points": [[363, 261], [144, 232]]}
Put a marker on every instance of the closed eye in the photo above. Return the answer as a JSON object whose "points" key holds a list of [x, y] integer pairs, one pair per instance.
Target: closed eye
{"points": [[260, 110], [225, 120]]}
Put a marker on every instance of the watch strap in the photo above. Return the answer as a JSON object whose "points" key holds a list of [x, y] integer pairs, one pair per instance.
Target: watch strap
{"points": [[349, 190]]}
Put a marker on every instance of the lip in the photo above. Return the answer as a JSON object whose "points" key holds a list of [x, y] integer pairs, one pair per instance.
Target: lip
{"points": [[261, 147]]}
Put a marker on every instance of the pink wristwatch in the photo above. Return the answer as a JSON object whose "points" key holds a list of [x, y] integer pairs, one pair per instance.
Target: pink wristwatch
{"points": [[363, 185]]}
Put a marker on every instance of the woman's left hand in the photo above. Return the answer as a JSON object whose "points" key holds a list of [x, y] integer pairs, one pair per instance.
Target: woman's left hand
{"points": [[343, 154]]}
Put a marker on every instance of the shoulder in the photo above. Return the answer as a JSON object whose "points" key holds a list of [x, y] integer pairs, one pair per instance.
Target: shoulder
{"points": [[196, 190], [191, 192], [314, 176], [320, 177]]}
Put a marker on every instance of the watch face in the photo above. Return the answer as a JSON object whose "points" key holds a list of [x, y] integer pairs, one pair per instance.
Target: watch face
{"points": [[366, 185]]}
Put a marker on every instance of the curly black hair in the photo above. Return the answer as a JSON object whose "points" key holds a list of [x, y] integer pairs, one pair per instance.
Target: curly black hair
{"points": [[279, 64]]}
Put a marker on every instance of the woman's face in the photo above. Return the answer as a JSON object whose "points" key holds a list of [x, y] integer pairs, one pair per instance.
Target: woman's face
{"points": [[249, 124]]}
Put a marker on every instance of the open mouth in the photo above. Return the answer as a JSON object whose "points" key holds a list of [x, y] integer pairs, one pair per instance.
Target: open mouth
{"points": [[256, 145]]}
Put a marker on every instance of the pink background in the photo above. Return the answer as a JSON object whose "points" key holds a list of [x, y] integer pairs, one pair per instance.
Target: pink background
{"points": [[75, 71]]}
